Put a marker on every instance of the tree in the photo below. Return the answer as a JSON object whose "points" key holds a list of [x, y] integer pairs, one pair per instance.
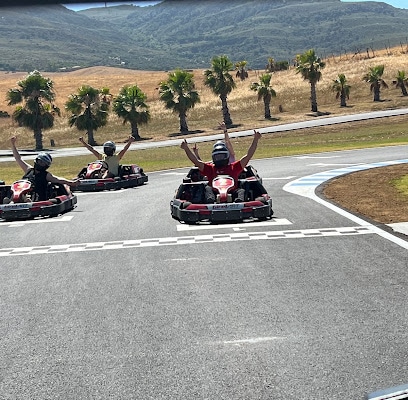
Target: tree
{"points": [[270, 66], [342, 89], [401, 81], [179, 94], [374, 78], [89, 110], [310, 66], [131, 107], [220, 81], [38, 111], [242, 72], [265, 92]]}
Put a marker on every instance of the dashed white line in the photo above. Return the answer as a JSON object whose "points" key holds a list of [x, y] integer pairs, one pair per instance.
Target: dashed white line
{"points": [[18, 224], [271, 223], [183, 240]]}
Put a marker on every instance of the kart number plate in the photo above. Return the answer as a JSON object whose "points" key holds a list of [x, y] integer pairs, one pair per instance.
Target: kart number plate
{"points": [[89, 181], [18, 206], [222, 207]]}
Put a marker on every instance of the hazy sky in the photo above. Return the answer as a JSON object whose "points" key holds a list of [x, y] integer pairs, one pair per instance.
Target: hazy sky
{"points": [[84, 6], [394, 3]]}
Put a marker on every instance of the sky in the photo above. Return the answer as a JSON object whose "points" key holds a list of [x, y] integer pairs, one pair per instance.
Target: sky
{"points": [[76, 7], [83, 6], [394, 3]]}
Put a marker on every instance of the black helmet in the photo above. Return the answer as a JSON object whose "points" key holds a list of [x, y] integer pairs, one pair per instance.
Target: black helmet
{"points": [[109, 148], [42, 161], [220, 154]]}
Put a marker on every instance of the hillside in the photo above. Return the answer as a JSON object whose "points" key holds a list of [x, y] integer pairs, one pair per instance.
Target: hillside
{"points": [[187, 33], [292, 103]]}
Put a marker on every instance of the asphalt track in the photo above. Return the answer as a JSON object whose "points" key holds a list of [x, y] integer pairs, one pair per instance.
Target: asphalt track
{"points": [[117, 300]]}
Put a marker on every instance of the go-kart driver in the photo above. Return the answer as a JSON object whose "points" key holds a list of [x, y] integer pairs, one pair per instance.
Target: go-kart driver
{"points": [[111, 158], [220, 165], [38, 173]]}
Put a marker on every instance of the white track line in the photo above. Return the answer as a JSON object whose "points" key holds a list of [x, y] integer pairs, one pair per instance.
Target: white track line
{"points": [[306, 186], [18, 224], [183, 240], [271, 223]]}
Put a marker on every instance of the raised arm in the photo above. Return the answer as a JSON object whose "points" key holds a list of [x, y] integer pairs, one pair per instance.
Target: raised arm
{"points": [[227, 141], [56, 179], [251, 151], [90, 148], [23, 165], [196, 152], [127, 145], [191, 156]]}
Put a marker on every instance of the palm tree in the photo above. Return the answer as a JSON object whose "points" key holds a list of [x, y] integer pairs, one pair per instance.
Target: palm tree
{"points": [[270, 67], [220, 81], [179, 95], [242, 73], [38, 111], [89, 110], [374, 78], [342, 89], [265, 92], [401, 81], [131, 107], [309, 66]]}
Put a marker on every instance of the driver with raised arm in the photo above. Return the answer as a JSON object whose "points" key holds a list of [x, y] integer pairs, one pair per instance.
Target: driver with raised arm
{"points": [[109, 156], [38, 173], [220, 165]]}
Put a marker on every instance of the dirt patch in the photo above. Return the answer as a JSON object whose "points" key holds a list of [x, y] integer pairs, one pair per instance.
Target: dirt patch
{"points": [[370, 193]]}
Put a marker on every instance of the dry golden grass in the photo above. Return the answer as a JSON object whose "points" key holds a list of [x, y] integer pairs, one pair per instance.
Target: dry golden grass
{"points": [[247, 113]]}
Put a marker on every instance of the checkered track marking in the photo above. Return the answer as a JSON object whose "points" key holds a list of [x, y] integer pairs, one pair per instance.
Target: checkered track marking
{"points": [[182, 240]]}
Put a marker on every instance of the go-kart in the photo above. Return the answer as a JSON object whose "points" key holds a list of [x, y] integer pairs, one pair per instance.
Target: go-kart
{"points": [[189, 203], [18, 201], [91, 177]]}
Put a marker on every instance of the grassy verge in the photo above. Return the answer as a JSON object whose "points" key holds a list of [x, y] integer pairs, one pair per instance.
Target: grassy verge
{"points": [[372, 133], [401, 185]]}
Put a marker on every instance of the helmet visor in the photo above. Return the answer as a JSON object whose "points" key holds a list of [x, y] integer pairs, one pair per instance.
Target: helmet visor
{"points": [[221, 155], [41, 163]]}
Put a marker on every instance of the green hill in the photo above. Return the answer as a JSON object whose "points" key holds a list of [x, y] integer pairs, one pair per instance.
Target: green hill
{"points": [[187, 33]]}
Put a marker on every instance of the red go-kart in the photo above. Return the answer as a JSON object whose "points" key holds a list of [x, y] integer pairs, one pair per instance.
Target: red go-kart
{"points": [[18, 201], [91, 180], [189, 204]]}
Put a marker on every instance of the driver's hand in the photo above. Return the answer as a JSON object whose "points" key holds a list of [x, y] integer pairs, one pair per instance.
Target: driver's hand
{"points": [[184, 144]]}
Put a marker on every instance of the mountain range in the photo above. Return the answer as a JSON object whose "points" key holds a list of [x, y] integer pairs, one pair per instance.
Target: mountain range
{"points": [[188, 33]]}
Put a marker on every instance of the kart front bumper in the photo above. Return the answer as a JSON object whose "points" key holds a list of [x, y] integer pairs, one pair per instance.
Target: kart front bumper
{"points": [[214, 213]]}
